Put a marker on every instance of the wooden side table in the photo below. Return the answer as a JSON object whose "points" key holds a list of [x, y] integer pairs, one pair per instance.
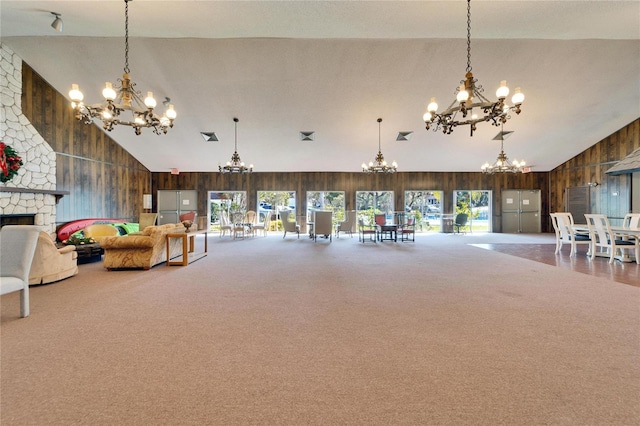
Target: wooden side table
{"points": [[188, 252]]}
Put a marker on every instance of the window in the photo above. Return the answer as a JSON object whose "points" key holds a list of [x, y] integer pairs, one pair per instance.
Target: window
{"points": [[369, 203], [227, 201], [326, 200], [426, 206], [477, 204], [269, 201]]}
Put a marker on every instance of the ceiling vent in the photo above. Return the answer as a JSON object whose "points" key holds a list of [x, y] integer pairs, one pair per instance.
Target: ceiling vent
{"points": [[209, 136], [307, 136], [502, 135], [404, 136]]}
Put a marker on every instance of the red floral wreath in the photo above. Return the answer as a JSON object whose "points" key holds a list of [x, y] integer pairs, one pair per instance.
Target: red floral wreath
{"points": [[10, 163]]}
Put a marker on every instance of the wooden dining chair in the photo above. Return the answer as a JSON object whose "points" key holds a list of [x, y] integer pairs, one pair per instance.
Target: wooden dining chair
{"points": [[605, 241]]}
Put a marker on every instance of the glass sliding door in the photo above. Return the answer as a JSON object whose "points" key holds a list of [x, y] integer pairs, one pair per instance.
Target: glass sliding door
{"points": [[369, 203], [426, 207], [225, 203], [326, 200], [270, 202], [477, 205]]}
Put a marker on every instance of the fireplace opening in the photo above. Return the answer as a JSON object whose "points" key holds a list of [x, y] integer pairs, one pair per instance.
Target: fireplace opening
{"points": [[17, 219]]}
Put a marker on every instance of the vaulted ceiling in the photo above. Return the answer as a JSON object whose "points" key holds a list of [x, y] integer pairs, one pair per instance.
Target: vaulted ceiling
{"points": [[335, 67]]}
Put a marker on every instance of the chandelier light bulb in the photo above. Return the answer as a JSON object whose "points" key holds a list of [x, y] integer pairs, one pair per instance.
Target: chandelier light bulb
{"points": [[108, 92], [463, 95], [75, 94], [433, 106], [503, 90], [518, 97], [106, 115], [171, 113], [149, 101]]}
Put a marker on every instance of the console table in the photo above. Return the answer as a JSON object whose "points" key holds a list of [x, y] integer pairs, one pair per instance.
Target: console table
{"points": [[188, 252]]}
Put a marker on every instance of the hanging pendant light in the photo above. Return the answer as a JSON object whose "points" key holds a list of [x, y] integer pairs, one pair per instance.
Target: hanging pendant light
{"points": [[235, 165], [125, 98], [380, 165], [503, 164]]}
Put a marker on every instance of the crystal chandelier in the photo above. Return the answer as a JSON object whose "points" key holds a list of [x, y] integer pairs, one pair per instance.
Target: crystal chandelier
{"points": [[235, 165], [471, 103], [503, 164], [121, 99], [380, 165]]}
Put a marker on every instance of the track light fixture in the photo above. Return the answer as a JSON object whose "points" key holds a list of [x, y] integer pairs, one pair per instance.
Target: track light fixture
{"points": [[57, 22]]}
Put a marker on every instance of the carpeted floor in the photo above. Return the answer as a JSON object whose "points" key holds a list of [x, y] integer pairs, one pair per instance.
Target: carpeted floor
{"points": [[291, 332]]}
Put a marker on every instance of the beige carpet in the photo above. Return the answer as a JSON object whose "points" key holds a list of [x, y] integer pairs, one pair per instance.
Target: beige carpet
{"points": [[291, 332]]}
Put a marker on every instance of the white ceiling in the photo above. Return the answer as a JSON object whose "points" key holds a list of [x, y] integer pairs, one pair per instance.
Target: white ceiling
{"points": [[334, 67]]}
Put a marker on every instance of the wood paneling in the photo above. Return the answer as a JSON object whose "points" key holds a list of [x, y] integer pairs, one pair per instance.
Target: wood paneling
{"points": [[106, 181], [103, 179], [612, 196], [301, 182]]}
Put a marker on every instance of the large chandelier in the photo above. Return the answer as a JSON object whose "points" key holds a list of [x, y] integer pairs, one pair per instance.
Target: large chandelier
{"points": [[471, 103], [503, 164], [235, 165], [121, 99], [380, 165]]}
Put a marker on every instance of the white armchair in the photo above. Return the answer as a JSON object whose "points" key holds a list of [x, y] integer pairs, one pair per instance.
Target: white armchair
{"points": [[17, 247], [287, 225], [322, 224]]}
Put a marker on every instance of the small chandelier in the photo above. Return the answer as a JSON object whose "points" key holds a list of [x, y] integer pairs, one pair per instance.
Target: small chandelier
{"points": [[121, 99], [470, 102], [380, 165], [503, 164], [235, 165]]}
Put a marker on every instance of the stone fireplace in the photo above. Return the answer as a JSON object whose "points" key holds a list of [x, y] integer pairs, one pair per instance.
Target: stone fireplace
{"points": [[33, 190]]}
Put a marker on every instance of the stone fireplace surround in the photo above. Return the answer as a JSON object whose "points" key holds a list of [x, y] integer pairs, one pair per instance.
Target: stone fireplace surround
{"points": [[33, 189]]}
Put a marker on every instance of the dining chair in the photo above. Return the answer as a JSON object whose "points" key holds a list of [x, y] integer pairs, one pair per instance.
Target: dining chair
{"points": [[408, 228], [460, 221], [263, 226], [607, 241], [563, 225], [225, 224], [238, 226], [631, 221], [366, 230], [17, 248]]}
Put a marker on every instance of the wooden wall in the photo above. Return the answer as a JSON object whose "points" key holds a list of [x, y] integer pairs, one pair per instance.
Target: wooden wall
{"points": [[301, 182], [103, 179], [612, 196]]}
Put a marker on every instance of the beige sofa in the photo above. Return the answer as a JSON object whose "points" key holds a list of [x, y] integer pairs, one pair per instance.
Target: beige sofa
{"points": [[51, 263], [145, 250]]}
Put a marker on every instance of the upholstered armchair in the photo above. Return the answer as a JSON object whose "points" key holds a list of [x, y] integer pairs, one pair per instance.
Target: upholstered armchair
{"points": [[322, 224], [147, 219], [17, 247], [51, 263], [100, 231], [348, 225], [288, 225]]}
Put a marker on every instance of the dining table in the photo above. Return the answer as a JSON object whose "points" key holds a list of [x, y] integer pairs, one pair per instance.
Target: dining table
{"points": [[583, 228]]}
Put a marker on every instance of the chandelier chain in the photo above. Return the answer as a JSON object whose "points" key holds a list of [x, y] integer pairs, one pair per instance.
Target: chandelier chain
{"points": [[468, 35], [126, 37]]}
